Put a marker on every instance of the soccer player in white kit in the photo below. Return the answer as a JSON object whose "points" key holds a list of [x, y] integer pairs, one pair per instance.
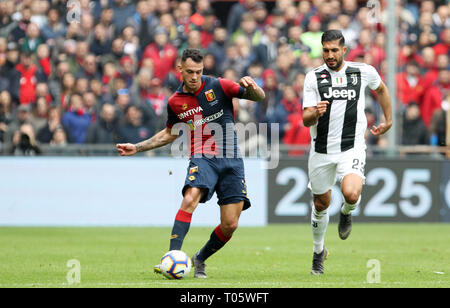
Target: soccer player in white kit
{"points": [[333, 106]]}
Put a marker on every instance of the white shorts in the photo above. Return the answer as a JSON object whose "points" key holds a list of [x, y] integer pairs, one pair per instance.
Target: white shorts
{"points": [[325, 169]]}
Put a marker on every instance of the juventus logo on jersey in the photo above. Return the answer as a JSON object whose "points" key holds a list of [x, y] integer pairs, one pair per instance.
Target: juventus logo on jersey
{"points": [[354, 78]]}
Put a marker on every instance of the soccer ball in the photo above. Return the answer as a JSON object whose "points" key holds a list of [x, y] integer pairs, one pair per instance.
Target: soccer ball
{"points": [[175, 264]]}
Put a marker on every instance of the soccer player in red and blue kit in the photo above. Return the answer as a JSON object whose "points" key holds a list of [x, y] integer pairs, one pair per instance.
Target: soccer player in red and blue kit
{"points": [[205, 104]]}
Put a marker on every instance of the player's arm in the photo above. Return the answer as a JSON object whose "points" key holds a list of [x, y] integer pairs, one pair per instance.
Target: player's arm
{"points": [[313, 108], [384, 100], [252, 91], [312, 114], [160, 139]]}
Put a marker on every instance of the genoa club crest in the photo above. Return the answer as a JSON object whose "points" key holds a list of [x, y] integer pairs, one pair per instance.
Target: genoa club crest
{"points": [[210, 95]]}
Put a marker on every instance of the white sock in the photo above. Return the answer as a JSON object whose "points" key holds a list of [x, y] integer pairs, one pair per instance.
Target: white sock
{"points": [[319, 223], [348, 208]]}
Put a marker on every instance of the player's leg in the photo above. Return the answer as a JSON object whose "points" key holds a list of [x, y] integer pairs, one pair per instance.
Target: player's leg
{"points": [[351, 187], [350, 171], [229, 219], [232, 197], [322, 175], [182, 223], [192, 197], [320, 219]]}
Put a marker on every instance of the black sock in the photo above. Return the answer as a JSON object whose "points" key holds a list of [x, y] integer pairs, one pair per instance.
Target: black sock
{"points": [[216, 241], [180, 229]]}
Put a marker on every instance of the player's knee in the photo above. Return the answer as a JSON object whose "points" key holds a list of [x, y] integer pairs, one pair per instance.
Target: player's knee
{"points": [[189, 203], [320, 205], [229, 226], [351, 197]]}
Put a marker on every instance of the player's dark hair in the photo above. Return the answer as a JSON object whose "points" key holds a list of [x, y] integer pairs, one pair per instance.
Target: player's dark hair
{"points": [[333, 35], [192, 53]]}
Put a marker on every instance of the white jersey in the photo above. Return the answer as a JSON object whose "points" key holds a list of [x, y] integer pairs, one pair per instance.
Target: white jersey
{"points": [[343, 125]]}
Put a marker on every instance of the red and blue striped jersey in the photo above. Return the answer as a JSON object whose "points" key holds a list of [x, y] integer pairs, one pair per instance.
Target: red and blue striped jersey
{"points": [[209, 115]]}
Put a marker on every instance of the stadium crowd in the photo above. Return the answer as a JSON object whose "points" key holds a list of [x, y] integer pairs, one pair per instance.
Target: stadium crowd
{"points": [[101, 72]]}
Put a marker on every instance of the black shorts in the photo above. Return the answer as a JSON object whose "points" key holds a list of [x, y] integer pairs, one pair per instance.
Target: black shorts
{"points": [[225, 176]]}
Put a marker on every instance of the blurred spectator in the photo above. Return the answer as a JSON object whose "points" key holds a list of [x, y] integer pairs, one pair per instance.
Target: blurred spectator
{"points": [[75, 120], [259, 12], [28, 78], [133, 130], [90, 105], [194, 40], [9, 76], [434, 96], [409, 84], [104, 129], [123, 10], [59, 138], [101, 44], [284, 66], [18, 33], [144, 22], [32, 38], [312, 38], [162, 53], [24, 142], [291, 124], [249, 30], [266, 51], [202, 10], [183, 14], [438, 129], [154, 106], [7, 24], [414, 131], [366, 46], [45, 134], [106, 19], [22, 116], [217, 46], [54, 28], [126, 70], [39, 114], [6, 116], [122, 101], [89, 68], [295, 43], [266, 107], [209, 65], [235, 14]]}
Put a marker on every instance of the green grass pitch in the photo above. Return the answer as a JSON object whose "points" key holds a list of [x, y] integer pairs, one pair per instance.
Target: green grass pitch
{"points": [[276, 256]]}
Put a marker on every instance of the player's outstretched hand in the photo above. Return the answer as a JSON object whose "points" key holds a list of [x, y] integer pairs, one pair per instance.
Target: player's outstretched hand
{"points": [[247, 81], [380, 129], [126, 149], [322, 107]]}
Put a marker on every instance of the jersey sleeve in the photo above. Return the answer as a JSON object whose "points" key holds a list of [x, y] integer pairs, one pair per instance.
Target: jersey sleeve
{"points": [[310, 97], [231, 88], [373, 78], [172, 118]]}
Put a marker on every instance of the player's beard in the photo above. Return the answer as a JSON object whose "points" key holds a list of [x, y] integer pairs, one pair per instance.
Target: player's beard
{"points": [[337, 65], [192, 87]]}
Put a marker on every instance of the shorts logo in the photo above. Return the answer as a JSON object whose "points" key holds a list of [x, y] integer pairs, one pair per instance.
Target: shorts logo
{"points": [[193, 170], [210, 95], [191, 178]]}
